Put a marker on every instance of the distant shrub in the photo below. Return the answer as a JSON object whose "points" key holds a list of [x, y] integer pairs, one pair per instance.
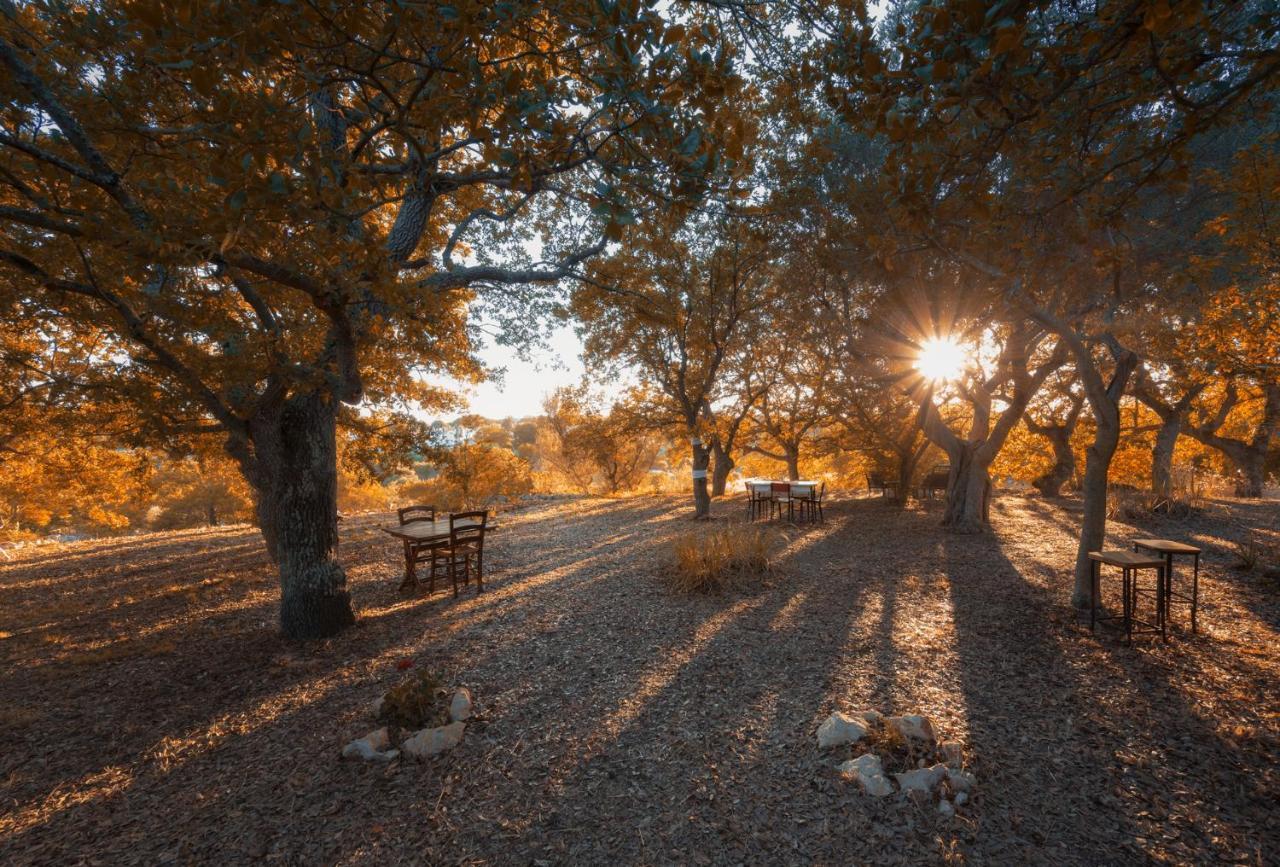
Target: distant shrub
{"points": [[714, 560], [416, 702]]}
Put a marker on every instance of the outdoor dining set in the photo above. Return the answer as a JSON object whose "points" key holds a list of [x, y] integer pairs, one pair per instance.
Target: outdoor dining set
{"points": [[451, 546], [1155, 555], [797, 498]]}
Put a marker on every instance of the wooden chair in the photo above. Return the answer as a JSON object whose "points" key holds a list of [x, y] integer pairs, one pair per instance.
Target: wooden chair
{"points": [[411, 514], [779, 496], [811, 502], [879, 482], [466, 541], [757, 499], [417, 552]]}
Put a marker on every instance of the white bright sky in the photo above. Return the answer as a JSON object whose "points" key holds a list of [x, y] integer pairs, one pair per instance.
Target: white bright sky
{"points": [[521, 390]]}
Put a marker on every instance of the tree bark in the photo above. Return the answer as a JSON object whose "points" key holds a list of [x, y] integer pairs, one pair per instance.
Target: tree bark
{"points": [[793, 462], [968, 488], [701, 492], [1249, 456], [1105, 403], [722, 466], [1162, 456], [1064, 463], [1050, 483], [296, 480]]}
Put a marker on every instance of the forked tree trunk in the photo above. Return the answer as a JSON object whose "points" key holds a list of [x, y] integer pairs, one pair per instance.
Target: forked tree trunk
{"points": [[296, 481], [701, 491], [721, 467], [1050, 483], [1105, 403]]}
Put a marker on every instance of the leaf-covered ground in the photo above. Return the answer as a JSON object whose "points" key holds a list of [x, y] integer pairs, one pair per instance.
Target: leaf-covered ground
{"points": [[150, 713]]}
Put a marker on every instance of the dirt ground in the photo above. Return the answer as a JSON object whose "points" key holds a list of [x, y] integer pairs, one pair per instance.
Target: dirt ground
{"points": [[150, 713]]}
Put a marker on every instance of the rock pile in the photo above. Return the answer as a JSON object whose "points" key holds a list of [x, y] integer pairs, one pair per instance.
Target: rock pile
{"points": [[421, 744], [930, 768]]}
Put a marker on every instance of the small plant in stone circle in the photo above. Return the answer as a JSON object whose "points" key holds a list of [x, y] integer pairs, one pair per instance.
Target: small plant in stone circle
{"points": [[417, 701], [884, 755], [423, 716]]}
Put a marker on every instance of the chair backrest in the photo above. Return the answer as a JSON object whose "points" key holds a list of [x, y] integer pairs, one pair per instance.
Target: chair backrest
{"points": [[875, 480], [820, 492], [410, 514], [780, 488], [467, 527]]}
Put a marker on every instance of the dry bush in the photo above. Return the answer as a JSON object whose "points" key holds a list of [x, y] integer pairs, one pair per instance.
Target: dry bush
{"points": [[1129, 504], [1256, 548], [416, 702], [730, 557]]}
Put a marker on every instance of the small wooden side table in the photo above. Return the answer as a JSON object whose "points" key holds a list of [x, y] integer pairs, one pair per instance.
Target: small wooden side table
{"points": [[1130, 564], [1168, 549]]}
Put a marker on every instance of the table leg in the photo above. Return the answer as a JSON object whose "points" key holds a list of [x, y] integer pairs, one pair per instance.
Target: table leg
{"points": [[410, 574], [1095, 588], [1195, 593], [1161, 600], [1126, 586]]}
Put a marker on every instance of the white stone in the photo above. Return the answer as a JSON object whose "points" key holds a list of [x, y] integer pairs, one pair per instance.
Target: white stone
{"points": [[921, 779], [460, 706], [869, 773], [871, 716], [839, 729], [962, 798], [961, 781], [913, 727], [429, 742], [370, 747], [945, 808]]}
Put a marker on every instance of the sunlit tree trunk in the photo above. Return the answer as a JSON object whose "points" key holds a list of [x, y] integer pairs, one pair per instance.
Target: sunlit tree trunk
{"points": [[1162, 456], [1104, 401], [792, 453], [722, 466], [701, 490], [1249, 456], [1050, 483], [294, 474]]}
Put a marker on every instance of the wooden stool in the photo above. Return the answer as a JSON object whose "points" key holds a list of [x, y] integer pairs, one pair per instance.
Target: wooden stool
{"points": [[1168, 548], [1130, 563]]}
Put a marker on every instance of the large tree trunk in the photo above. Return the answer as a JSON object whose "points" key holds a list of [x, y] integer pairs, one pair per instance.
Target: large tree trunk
{"points": [[1105, 403], [1162, 456], [701, 493], [968, 488], [723, 465], [793, 462], [1093, 528], [296, 480], [1063, 470], [908, 460]]}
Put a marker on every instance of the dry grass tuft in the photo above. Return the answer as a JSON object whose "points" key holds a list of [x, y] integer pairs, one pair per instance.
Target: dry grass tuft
{"points": [[730, 557]]}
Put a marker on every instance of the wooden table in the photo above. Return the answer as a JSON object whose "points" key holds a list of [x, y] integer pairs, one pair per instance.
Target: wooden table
{"points": [[1168, 549], [763, 486], [1130, 563], [423, 534]]}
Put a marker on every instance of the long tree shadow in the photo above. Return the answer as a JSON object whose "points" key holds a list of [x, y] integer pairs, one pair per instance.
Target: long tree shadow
{"points": [[1080, 743]]}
